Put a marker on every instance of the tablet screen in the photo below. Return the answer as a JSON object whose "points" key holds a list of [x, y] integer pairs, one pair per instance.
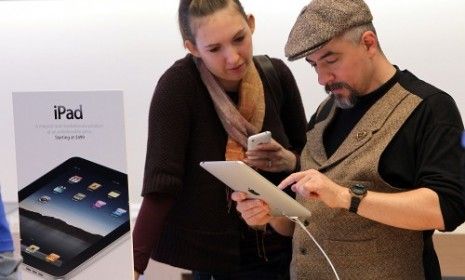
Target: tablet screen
{"points": [[72, 213]]}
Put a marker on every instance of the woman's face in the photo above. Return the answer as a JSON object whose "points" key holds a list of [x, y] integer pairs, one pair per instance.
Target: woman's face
{"points": [[223, 41]]}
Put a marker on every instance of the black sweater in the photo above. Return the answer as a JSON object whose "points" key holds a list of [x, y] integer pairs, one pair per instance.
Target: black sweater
{"points": [[199, 232]]}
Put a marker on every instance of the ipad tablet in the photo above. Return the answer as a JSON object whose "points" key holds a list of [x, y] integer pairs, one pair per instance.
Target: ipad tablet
{"points": [[241, 177], [71, 215]]}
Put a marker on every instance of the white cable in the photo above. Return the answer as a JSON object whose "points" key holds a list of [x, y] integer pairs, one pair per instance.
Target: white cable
{"points": [[297, 221]]}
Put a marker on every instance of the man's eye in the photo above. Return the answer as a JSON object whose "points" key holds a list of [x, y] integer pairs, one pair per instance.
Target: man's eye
{"points": [[331, 61], [313, 64], [213, 50]]}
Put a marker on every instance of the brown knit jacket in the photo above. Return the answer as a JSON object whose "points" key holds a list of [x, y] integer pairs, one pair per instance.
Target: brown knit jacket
{"points": [[201, 232]]}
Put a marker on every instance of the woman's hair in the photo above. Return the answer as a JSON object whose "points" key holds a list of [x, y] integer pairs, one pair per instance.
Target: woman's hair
{"points": [[189, 9]]}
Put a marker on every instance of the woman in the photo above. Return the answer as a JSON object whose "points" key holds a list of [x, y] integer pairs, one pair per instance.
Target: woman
{"points": [[204, 108]]}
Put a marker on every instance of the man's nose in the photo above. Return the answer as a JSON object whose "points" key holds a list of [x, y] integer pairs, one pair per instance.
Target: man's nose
{"points": [[324, 77]]}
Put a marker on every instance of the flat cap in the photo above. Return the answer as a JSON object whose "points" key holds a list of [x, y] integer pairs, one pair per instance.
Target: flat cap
{"points": [[322, 20]]}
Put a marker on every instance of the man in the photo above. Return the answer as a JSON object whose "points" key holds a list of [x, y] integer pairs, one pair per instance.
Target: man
{"points": [[381, 169], [8, 263]]}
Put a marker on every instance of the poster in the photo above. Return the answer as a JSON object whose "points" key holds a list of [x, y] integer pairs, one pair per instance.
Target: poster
{"points": [[73, 193]]}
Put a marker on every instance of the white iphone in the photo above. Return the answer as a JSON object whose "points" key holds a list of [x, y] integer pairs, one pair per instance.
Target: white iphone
{"points": [[256, 139]]}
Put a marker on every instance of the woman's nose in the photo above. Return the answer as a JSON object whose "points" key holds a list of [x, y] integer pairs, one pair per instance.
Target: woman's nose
{"points": [[232, 56]]}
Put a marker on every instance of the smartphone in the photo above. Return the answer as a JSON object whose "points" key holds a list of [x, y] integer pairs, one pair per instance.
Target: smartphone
{"points": [[260, 138], [72, 215]]}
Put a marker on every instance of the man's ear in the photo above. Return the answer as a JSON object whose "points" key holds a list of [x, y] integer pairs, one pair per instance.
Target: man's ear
{"points": [[191, 48], [370, 42], [251, 22]]}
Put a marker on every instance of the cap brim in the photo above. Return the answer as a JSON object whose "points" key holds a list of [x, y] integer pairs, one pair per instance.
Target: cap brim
{"points": [[307, 52]]}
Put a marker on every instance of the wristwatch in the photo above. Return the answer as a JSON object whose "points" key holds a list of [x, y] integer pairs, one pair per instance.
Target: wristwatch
{"points": [[357, 191]]}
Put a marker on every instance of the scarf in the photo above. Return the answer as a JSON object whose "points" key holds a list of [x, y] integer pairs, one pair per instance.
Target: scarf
{"points": [[244, 120], [239, 122]]}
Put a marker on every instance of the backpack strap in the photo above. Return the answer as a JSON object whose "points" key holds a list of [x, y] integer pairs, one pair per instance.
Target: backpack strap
{"points": [[324, 109], [271, 79]]}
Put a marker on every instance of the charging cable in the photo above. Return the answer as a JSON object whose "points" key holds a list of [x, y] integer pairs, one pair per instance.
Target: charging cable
{"points": [[297, 221]]}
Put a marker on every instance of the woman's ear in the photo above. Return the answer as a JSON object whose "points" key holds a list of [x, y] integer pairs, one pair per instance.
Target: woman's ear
{"points": [[251, 22], [191, 48]]}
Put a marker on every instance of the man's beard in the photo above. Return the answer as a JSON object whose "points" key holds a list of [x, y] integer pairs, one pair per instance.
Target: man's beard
{"points": [[343, 102]]}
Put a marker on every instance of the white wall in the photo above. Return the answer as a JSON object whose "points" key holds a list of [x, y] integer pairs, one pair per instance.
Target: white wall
{"points": [[111, 44]]}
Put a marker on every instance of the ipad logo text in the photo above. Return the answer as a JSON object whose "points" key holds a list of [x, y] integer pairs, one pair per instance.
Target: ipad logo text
{"points": [[60, 111]]}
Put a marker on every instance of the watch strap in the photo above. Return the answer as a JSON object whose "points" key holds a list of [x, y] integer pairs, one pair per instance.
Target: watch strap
{"points": [[354, 203]]}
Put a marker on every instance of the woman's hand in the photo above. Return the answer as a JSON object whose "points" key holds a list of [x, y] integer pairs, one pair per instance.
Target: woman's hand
{"points": [[255, 212], [271, 157]]}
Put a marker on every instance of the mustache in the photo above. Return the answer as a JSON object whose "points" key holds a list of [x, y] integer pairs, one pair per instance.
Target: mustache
{"points": [[334, 86]]}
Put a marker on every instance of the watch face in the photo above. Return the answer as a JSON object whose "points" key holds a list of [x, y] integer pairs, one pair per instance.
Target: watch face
{"points": [[358, 189]]}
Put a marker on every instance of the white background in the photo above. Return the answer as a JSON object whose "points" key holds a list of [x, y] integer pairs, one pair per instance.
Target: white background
{"points": [[126, 45]]}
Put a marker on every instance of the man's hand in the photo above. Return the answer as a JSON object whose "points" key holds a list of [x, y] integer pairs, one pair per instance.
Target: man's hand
{"points": [[312, 184]]}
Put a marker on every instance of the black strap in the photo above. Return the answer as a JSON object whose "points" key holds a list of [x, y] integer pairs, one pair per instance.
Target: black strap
{"points": [[274, 84], [271, 79], [324, 109]]}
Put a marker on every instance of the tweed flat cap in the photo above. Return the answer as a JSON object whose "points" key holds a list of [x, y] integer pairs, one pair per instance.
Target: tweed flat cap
{"points": [[322, 20]]}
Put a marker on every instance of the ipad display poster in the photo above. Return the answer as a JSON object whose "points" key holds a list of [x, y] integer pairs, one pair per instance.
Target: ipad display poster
{"points": [[73, 190]]}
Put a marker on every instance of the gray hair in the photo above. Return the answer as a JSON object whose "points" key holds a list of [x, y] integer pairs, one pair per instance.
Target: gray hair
{"points": [[355, 34]]}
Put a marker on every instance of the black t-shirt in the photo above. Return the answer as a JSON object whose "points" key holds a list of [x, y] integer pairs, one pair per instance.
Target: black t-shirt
{"points": [[425, 152]]}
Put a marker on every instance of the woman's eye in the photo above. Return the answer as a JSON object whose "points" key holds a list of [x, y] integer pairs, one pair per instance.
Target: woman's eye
{"points": [[213, 50], [239, 39]]}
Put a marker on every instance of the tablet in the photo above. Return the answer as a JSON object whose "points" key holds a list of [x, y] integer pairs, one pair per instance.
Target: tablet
{"points": [[70, 215], [241, 177]]}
